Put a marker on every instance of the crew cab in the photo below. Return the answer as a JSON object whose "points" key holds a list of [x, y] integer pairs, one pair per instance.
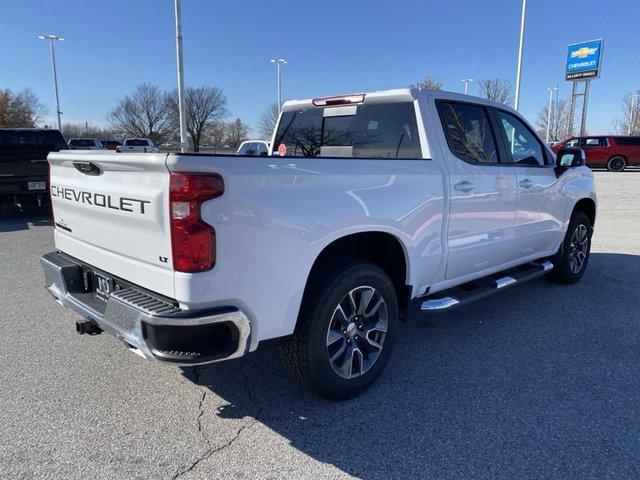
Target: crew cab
{"points": [[24, 171], [377, 204], [137, 145], [615, 152]]}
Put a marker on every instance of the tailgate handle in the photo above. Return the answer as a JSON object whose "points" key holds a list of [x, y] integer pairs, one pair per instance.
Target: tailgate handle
{"points": [[87, 168]]}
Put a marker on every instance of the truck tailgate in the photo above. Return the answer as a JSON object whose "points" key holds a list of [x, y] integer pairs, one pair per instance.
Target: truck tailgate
{"points": [[112, 211]]}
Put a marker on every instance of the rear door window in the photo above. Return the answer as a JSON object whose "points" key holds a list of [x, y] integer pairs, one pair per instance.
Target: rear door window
{"points": [[379, 130], [468, 132], [628, 141]]}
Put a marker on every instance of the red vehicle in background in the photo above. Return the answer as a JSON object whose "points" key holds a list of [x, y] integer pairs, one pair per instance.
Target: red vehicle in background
{"points": [[613, 152]]}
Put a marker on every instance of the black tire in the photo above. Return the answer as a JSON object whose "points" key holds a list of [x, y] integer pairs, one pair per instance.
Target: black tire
{"points": [[307, 353], [566, 260], [617, 164]]}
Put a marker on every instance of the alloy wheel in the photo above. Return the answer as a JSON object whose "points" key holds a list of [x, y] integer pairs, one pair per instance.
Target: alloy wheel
{"points": [[578, 248], [357, 331]]}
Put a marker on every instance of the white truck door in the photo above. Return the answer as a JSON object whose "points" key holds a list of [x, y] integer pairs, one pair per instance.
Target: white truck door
{"points": [[482, 188], [541, 202]]}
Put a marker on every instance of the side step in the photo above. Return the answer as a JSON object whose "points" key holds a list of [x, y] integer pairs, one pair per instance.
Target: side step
{"points": [[484, 287]]}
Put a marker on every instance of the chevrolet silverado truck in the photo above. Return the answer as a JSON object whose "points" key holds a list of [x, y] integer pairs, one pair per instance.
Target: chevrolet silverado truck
{"points": [[24, 171], [373, 203]]}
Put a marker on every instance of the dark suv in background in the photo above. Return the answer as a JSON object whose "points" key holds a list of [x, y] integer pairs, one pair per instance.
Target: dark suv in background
{"points": [[24, 171], [611, 151]]}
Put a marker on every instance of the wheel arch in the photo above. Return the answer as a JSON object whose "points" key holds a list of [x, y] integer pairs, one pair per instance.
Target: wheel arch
{"points": [[380, 248], [588, 207]]}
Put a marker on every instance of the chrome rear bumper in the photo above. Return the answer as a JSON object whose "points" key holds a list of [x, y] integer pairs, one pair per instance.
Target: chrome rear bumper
{"points": [[151, 326]]}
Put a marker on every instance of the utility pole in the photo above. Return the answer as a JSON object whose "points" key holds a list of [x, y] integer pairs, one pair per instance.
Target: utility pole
{"points": [[278, 62], [181, 94], [549, 110], [466, 81], [51, 39], [632, 113], [516, 102]]}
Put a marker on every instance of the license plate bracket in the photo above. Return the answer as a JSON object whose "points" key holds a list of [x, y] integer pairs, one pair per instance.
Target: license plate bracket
{"points": [[103, 285]]}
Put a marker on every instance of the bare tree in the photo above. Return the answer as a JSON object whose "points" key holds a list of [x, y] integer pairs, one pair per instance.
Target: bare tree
{"points": [[236, 133], [217, 134], [428, 83], [80, 130], [559, 120], [629, 122], [497, 89], [267, 122], [204, 106], [22, 109], [144, 113]]}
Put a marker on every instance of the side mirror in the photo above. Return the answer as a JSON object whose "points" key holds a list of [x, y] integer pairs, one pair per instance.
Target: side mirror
{"points": [[264, 153], [570, 157]]}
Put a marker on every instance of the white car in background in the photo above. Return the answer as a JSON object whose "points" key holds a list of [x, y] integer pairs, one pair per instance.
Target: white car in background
{"points": [[137, 145], [85, 144], [253, 147]]}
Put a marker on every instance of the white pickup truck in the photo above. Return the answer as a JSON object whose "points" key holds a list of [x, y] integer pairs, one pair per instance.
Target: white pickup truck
{"points": [[376, 203]]}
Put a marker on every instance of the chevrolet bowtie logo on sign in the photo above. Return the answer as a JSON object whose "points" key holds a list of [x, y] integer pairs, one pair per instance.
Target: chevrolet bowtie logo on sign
{"points": [[583, 60]]}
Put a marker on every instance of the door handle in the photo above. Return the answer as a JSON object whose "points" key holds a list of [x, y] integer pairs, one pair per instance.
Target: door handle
{"points": [[526, 183], [464, 186]]}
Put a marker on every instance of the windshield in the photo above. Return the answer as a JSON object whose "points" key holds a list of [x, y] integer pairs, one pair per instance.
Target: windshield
{"points": [[15, 141], [379, 130]]}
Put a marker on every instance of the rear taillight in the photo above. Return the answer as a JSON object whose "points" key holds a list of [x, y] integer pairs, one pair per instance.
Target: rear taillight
{"points": [[193, 242]]}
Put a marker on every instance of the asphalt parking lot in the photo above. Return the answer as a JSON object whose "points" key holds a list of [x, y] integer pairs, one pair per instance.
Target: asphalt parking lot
{"points": [[538, 382]]}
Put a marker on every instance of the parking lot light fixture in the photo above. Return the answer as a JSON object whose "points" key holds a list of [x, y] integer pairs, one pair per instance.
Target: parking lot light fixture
{"points": [[181, 94], [51, 39], [466, 81], [278, 62], [516, 102]]}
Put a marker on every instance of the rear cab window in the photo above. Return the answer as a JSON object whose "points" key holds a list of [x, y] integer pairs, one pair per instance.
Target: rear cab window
{"points": [[375, 130], [16, 141], [136, 142]]}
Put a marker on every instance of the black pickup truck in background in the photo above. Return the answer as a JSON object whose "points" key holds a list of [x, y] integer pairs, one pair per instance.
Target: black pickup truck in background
{"points": [[24, 171]]}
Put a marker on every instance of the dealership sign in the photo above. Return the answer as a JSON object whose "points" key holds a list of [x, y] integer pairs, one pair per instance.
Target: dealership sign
{"points": [[583, 60]]}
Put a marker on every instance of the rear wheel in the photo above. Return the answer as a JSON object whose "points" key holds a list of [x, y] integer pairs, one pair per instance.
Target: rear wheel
{"points": [[571, 260], [346, 329], [616, 164]]}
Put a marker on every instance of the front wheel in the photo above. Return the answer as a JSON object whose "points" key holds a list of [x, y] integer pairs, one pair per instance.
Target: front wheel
{"points": [[571, 260], [616, 164], [346, 329]]}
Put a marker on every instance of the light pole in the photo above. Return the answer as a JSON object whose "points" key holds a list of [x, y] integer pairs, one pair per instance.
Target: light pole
{"points": [[516, 102], [278, 62], [51, 39], [552, 90], [632, 112], [180, 61], [466, 81]]}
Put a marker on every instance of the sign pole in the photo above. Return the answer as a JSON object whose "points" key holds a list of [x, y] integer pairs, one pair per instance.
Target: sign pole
{"points": [[572, 104], [585, 98]]}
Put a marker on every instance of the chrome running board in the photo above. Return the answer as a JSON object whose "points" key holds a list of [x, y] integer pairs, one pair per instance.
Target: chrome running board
{"points": [[484, 287]]}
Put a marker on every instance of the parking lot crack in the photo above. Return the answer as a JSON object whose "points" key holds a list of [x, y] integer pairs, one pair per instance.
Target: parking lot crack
{"points": [[210, 450]]}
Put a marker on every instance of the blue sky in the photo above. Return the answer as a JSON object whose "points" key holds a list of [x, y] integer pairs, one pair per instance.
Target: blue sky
{"points": [[332, 46]]}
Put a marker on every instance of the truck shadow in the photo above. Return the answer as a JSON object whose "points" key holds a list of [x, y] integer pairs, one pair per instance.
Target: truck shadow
{"points": [[13, 218], [531, 382]]}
